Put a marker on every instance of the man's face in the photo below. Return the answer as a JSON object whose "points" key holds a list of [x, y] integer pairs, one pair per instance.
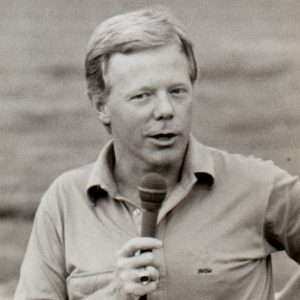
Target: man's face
{"points": [[149, 107]]}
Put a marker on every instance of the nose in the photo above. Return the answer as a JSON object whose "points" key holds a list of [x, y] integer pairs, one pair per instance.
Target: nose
{"points": [[163, 107]]}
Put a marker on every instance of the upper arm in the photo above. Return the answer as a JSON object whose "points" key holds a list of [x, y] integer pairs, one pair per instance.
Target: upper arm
{"points": [[282, 222], [43, 272]]}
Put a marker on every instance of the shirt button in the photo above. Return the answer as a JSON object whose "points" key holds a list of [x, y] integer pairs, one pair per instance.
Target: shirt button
{"points": [[137, 212]]}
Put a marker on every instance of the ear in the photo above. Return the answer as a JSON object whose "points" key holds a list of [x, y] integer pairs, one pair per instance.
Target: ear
{"points": [[100, 107]]}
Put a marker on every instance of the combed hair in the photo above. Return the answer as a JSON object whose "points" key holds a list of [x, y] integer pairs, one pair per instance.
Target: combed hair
{"points": [[130, 32]]}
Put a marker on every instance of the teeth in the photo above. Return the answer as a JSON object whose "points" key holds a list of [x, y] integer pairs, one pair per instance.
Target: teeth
{"points": [[164, 137]]}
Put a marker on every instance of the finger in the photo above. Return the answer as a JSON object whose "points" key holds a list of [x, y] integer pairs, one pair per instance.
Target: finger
{"points": [[138, 261], [137, 289], [137, 244], [150, 273], [134, 275]]}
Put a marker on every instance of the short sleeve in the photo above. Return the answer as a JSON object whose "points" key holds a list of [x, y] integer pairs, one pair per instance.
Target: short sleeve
{"points": [[43, 272], [282, 219]]}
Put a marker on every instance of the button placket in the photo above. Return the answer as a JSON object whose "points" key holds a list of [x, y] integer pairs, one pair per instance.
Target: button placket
{"points": [[136, 214]]}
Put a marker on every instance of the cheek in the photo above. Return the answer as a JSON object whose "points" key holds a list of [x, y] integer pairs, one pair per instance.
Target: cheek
{"points": [[185, 112], [125, 122], [190, 107], [117, 113]]}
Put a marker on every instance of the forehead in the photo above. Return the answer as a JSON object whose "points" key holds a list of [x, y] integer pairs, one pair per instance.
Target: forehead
{"points": [[164, 61]]}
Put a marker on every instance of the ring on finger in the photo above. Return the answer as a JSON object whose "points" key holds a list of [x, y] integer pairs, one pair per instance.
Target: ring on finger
{"points": [[144, 276]]}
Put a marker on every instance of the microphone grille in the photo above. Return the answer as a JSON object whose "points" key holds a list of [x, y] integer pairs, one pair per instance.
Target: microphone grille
{"points": [[152, 189]]}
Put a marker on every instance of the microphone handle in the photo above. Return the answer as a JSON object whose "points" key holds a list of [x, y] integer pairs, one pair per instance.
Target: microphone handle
{"points": [[149, 223], [148, 230]]}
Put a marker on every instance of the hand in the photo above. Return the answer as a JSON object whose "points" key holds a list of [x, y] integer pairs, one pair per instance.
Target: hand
{"points": [[132, 264]]}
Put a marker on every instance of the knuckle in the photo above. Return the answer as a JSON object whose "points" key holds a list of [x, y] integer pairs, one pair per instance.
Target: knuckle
{"points": [[151, 287], [151, 260], [149, 256], [128, 288], [121, 264], [123, 276], [154, 274], [130, 249], [153, 271]]}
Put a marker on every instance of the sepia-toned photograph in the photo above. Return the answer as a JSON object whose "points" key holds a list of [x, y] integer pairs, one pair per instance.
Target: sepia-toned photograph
{"points": [[149, 150]]}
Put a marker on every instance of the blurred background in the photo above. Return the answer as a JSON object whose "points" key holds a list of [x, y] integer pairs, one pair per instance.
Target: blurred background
{"points": [[247, 99]]}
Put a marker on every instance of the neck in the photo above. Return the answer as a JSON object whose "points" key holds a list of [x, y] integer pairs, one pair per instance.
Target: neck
{"points": [[128, 174]]}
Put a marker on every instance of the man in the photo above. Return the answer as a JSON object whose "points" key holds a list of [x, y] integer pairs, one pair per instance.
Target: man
{"points": [[223, 215]]}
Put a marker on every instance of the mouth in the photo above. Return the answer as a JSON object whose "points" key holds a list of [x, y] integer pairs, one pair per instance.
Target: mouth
{"points": [[163, 136], [163, 139]]}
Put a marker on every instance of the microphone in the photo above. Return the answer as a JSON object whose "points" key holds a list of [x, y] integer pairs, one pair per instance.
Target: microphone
{"points": [[152, 191]]}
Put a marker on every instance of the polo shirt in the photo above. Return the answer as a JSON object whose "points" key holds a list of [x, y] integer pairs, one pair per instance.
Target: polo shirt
{"points": [[219, 226]]}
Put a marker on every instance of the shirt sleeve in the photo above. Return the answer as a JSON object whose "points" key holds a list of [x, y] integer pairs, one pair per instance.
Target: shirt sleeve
{"points": [[43, 272], [282, 220]]}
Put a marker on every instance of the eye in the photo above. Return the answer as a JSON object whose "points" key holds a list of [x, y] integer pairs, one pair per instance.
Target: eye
{"points": [[178, 91], [140, 96]]}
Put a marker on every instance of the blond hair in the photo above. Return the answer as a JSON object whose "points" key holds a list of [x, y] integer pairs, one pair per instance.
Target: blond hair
{"points": [[130, 32]]}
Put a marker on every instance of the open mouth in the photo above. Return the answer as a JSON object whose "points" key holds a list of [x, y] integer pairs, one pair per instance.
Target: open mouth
{"points": [[163, 136]]}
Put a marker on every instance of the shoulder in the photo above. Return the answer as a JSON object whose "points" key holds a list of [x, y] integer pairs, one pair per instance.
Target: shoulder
{"points": [[243, 166], [66, 189], [74, 178]]}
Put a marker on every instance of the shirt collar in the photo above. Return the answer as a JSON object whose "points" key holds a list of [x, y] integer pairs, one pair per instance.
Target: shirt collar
{"points": [[198, 163], [101, 180]]}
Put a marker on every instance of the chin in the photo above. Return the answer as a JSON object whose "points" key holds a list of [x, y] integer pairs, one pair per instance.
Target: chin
{"points": [[165, 159]]}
